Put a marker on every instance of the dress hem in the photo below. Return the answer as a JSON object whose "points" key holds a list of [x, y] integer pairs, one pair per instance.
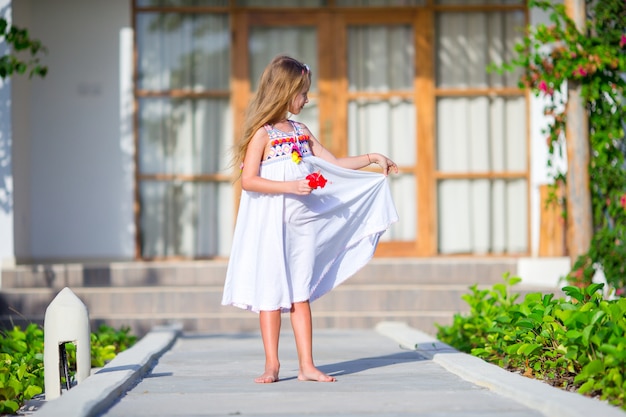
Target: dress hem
{"points": [[313, 296]]}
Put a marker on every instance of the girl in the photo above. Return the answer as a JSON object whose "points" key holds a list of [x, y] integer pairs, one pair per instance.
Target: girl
{"points": [[307, 220]]}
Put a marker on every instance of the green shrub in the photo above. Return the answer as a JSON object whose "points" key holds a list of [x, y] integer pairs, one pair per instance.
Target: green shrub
{"points": [[21, 370], [577, 343], [108, 342], [21, 360]]}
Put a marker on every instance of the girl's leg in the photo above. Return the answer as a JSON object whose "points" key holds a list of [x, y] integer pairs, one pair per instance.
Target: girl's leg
{"points": [[270, 332], [303, 332]]}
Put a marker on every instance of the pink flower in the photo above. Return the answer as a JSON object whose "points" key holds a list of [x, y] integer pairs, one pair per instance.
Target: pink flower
{"points": [[580, 71], [543, 86], [622, 200], [622, 41]]}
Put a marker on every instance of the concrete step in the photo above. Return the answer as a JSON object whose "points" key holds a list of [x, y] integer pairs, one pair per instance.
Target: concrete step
{"points": [[137, 274], [141, 295], [181, 300], [130, 274]]}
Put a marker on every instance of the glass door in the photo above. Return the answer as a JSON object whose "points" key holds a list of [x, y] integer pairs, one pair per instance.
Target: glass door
{"points": [[381, 112], [362, 96], [183, 129]]}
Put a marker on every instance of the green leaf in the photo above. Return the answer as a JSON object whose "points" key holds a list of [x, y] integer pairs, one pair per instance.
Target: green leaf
{"points": [[529, 348], [527, 324], [9, 406], [592, 288], [586, 387], [597, 316], [573, 334], [21, 371], [594, 367], [31, 391], [585, 335], [574, 292]]}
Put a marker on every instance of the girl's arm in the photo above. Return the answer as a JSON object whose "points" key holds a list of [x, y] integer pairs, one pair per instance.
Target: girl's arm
{"points": [[250, 179], [352, 162]]}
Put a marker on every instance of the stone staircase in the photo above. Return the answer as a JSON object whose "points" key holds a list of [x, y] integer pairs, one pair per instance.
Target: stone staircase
{"points": [[420, 292]]}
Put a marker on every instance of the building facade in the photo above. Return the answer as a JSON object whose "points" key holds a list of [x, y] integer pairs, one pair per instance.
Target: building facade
{"points": [[122, 151]]}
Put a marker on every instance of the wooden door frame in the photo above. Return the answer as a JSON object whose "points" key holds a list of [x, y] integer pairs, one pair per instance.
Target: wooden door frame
{"points": [[421, 21], [242, 21], [333, 96]]}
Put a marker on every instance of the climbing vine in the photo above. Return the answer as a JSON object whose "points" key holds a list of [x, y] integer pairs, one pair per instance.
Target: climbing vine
{"points": [[552, 55], [25, 52]]}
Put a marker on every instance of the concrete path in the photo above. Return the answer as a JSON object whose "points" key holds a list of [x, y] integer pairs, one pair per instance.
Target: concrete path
{"points": [[389, 371]]}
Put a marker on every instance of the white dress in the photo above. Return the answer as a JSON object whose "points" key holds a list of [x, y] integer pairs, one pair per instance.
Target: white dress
{"points": [[289, 248]]}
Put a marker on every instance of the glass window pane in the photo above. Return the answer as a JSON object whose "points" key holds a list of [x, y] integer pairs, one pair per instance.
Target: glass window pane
{"points": [[488, 134], [469, 42], [184, 136], [381, 58], [386, 126], [403, 190], [183, 51], [265, 43], [185, 219], [483, 216], [310, 116]]}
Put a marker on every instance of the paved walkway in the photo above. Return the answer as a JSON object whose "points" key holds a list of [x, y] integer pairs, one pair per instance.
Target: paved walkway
{"points": [[379, 373]]}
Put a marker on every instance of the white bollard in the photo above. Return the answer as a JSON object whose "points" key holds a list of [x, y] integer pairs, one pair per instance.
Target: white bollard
{"points": [[66, 321]]}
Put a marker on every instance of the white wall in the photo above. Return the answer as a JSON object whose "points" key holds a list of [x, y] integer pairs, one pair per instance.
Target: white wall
{"points": [[6, 160], [534, 270], [20, 116], [539, 172], [79, 159]]}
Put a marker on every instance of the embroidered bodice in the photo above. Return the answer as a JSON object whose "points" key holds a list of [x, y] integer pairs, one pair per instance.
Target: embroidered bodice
{"points": [[294, 144]]}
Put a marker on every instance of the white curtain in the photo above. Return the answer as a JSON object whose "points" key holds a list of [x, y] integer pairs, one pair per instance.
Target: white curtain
{"points": [[184, 136], [468, 42], [485, 135], [183, 51], [388, 127], [179, 218], [381, 59], [298, 42]]}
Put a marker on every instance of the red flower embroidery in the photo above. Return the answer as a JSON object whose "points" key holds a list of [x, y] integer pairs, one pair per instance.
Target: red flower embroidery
{"points": [[316, 180]]}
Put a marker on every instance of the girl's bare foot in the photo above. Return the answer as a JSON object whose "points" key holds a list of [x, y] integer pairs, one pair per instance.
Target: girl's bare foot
{"points": [[269, 376], [316, 375]]}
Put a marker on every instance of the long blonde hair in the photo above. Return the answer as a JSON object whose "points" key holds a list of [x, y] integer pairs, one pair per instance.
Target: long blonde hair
{"points": [[280, 82]]}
